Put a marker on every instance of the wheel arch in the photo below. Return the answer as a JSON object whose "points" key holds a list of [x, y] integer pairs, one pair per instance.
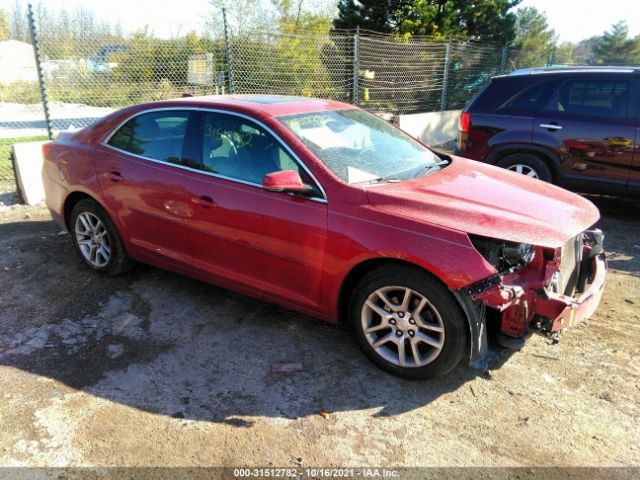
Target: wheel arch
{"points": [[477, 340], [70, 201], [548, 157], [360, 269], [76, 196]]}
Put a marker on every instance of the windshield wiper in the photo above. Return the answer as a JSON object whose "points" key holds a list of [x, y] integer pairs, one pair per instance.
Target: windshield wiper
{"points": [[435, 166], [377, 180]]}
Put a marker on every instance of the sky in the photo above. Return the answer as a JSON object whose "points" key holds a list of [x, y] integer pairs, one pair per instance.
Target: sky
{"points": [[573, 20]]}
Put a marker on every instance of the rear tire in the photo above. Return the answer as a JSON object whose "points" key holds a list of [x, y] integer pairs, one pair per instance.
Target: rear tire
{"points": [[96, 239], [527, 164], [407, 323]]}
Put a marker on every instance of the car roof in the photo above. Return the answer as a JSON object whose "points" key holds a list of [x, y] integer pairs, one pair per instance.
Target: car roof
{"points": [[272, 105], [560, 69]]}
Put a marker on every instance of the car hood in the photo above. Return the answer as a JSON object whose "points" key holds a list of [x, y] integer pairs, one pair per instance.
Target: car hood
{"points": [[484, 200]]}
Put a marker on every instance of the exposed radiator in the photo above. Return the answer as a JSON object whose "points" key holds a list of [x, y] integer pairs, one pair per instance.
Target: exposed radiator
{"points": [[570, 265]]}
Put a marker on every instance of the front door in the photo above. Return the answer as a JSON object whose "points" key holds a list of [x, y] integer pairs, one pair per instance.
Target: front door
{"points": [[592, 122], [268, 241]]}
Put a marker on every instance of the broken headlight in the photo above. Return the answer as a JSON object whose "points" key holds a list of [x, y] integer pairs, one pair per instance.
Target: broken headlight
{"points": [[506, 257]]}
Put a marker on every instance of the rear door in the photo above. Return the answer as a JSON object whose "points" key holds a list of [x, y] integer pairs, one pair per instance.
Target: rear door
{"points": [[144, 182], [497, 118], [591, 123]]}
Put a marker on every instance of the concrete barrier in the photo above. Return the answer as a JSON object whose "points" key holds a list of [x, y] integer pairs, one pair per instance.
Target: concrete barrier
{"points": [[27, 161], [432, 128]]}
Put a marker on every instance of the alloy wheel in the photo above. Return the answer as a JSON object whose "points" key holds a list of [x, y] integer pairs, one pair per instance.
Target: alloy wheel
{"points": [[402, 326], [92, 239], [524, 170]]}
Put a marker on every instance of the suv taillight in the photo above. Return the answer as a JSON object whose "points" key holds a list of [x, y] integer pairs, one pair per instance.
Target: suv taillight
{"points": [[464, 122]]}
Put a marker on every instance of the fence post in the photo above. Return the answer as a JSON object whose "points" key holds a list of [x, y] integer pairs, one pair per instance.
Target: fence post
{"points": [[503, 60], [445, 77], [36, 53], [232, 89], [356, 47]]}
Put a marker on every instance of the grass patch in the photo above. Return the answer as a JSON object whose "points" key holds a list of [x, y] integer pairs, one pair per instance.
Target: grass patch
{"points": [[6, 144]]}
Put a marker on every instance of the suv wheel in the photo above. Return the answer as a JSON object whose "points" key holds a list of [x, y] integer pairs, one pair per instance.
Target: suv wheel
{"points": [[96, 239], [407, 323], [528, 165]]}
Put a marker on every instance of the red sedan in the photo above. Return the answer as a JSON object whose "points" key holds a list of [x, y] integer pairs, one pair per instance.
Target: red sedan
{"points": [[326, 209]]}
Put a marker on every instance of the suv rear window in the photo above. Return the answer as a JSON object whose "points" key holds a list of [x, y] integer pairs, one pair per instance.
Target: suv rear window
{"points": [[608, 98]]}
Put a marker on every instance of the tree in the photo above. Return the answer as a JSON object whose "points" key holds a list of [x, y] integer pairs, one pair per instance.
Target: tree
{"points": [[616, 48], [18, 26], [482, 20], [243, 16], [487, 20], [4, 25], [563, 54], [535, 40], [583, 51], [376, 15]]}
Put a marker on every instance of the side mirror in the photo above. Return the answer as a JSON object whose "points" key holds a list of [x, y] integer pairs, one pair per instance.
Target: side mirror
{"points": [[285, 181]]}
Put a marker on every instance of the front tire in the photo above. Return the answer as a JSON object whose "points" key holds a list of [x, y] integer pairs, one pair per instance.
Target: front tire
{"points": [[96, 239], [407, 323]]}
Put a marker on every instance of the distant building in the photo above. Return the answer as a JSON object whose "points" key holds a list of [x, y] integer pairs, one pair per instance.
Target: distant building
{"points": [[17, 62]]}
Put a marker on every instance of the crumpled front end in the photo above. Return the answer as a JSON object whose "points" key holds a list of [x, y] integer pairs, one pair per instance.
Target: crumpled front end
{"points": [[540, 289]]}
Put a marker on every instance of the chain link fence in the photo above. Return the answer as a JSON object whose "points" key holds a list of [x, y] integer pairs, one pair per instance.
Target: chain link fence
{"points": [[287, 64], [77, 79], [21, 108]]}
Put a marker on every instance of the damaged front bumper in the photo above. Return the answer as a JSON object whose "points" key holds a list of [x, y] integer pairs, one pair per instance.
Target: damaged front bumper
{"points": [[564, 311], [531, 300]]}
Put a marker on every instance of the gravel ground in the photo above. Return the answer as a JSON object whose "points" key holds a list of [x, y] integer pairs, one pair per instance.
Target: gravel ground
{"points": [[153, 369]]}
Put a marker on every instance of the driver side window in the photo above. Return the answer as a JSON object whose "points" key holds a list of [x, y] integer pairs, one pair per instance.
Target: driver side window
{"points": [[239, 149]]}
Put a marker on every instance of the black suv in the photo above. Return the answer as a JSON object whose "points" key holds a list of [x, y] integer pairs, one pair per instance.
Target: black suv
{"points": [[577, 127]]}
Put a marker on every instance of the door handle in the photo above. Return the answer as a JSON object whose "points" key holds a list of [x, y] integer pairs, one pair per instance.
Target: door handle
{"points": [[116, 176], [204, 201], [551, 126]]}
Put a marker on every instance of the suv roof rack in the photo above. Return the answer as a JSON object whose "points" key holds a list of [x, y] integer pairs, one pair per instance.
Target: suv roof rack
{"points": [[576, 68]]}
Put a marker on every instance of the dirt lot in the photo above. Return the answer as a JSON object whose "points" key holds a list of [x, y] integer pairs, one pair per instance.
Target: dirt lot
{"points": [[155, 369]]}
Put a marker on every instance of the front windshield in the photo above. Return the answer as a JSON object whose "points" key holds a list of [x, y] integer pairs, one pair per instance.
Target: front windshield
{"points": [[359, 147]]}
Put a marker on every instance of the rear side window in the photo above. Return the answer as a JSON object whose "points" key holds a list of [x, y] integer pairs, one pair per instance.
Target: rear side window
{"points": [[604, 98], [498, 92], [156, 135], [533, 98]]}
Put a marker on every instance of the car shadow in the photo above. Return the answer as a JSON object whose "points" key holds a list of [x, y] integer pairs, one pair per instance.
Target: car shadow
{"points": [[169, 345]]}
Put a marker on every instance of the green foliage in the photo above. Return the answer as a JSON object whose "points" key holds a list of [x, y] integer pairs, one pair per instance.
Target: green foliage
{"points": [[4, 25], [616, 48], [487, 20], [289, 64], [20, 92], [310, 76], [535, 40], [583, 51], [172, 56], [563, 54], [375, 15]]}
